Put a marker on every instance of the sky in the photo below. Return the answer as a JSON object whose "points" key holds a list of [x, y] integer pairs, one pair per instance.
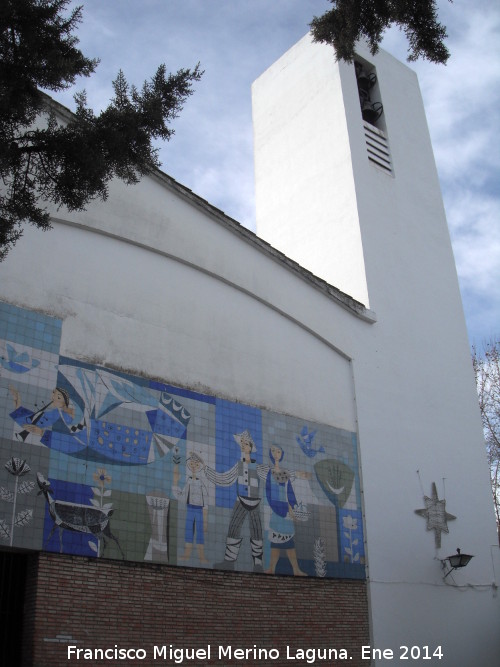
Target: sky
{"points": [[237, 40]]}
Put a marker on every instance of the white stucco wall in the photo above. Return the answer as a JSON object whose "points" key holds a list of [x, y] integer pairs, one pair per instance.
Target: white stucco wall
{"points": [[150, 282], [416, 405]]}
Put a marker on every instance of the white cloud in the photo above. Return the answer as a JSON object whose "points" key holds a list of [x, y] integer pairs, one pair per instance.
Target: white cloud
{"points": [[462, 102]]}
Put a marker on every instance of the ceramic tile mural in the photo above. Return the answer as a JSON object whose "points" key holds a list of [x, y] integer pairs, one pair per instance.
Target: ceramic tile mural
{"points": [[100, 463]]}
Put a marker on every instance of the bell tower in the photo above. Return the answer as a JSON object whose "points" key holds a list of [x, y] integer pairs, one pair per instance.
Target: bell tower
{"points": [[346, 182]]}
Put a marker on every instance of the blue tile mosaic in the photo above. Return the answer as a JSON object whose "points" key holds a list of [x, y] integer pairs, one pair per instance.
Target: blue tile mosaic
{"points": [[102, 463]]}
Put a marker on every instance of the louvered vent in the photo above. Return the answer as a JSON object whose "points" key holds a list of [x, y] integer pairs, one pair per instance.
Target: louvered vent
{"points": [[377, 147]]}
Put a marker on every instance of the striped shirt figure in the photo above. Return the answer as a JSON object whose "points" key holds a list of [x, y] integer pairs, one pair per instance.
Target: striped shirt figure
{"points": [[246, 475]]}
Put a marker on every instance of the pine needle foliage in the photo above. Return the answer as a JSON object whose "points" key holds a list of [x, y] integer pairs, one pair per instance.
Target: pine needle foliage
{"points": [[44, 161], [351, 20]]}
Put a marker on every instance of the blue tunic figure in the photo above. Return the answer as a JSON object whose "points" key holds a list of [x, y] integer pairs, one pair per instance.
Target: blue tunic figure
{"points": [[36, 426], [282, 501]]}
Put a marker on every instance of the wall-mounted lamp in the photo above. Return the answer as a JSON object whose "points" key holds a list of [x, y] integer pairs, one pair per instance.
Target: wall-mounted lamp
{"points": [[456, 561]]}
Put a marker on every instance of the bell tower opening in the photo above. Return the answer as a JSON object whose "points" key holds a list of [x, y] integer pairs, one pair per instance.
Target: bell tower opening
{"points": [[372, 112]]}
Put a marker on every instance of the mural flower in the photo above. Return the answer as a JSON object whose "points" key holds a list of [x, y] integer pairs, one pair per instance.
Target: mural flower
{"points": [[350, 524], [319, 557], [101, 477], [17, 467]]}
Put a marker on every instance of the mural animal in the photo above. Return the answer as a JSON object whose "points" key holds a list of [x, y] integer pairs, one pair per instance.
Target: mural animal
{"points": [[76, 517]]}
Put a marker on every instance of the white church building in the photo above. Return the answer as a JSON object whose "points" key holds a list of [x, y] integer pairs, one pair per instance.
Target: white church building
{"points": [[310, 385]]}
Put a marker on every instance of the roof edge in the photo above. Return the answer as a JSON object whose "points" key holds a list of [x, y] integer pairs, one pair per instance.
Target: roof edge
{"points": [[344, 300]]}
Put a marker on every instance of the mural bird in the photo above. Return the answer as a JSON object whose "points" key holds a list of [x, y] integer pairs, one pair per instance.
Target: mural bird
{"points": [[305, 441], [18, 362]]}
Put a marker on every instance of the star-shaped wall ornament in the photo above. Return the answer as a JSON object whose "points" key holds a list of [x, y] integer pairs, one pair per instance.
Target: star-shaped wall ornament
{"points": [[436, 515]]}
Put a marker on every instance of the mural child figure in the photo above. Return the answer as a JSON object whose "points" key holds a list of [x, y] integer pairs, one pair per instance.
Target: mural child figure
{"points": [[282, 501], [36, 423], [195, 495], [246, 506]]}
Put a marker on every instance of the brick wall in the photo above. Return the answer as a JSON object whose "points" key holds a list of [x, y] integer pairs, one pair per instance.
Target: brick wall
{"points": [[90, 603]]}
